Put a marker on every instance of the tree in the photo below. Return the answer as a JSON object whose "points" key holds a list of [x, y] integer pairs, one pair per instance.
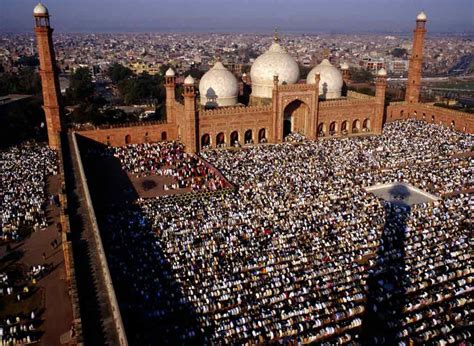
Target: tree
{"points": [[118, 73], [27, 81], [359, 75], [81, 88], [142, 89], [21, 121], [399, 52], [194, 72]]}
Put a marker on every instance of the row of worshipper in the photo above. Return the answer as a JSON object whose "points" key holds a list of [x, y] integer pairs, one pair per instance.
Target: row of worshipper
{"points": [[290, 254], [23, 176], [168, 159], [21, 328]]}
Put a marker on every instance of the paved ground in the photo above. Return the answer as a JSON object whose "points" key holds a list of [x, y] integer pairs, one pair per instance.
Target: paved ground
{"points": [[401, 193], [58, 310], [158, 190]]}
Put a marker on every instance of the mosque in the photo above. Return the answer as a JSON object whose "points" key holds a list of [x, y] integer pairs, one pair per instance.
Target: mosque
{"points": [[280, 103]]}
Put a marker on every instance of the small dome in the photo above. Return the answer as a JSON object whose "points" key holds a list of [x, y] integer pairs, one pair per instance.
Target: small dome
{"points": [[382, 72], [421, 16], [40, 9], [189, 80], [344, 66], [275, 61], [330, 83], [169, 72], [218, 87]]}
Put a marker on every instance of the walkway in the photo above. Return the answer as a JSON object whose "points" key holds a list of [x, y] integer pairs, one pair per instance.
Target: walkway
{"points": [[57, 315]]}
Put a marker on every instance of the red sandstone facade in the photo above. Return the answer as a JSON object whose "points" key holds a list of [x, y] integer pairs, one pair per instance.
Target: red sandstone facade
{"points": [[49, 78], [292, 108]]}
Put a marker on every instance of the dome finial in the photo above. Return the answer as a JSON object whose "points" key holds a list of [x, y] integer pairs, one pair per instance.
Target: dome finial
{"points": [[276, 39]]}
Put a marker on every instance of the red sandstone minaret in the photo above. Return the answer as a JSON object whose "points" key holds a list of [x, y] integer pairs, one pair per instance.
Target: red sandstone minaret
{"points": [[170, 85], [49, 75], [189, 121], [416, 61], [380, 89]]}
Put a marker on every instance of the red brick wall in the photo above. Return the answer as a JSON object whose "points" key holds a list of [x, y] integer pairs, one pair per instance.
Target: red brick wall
{"points": [[118, 136], [461, 121]]}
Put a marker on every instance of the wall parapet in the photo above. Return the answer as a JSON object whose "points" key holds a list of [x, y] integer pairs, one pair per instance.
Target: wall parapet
{"points": [[235, 110], [397, 103], [117, 318], [359, 96], [447, 110], [344, 102], [114, 126], [297, 87]]}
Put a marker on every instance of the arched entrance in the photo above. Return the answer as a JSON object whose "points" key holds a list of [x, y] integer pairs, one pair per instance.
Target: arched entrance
{"points": [[205, 141], [294, 117], [321, 130], [128, 139], [355, 126], [248, 136], [220, 139], [332, 128], [234, 138], [366, 125], [164, 136], [262, 136], [344, 127]]}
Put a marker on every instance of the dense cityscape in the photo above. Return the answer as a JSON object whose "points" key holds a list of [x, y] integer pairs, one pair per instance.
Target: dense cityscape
{"points": [[236, 188], [147, 52]]}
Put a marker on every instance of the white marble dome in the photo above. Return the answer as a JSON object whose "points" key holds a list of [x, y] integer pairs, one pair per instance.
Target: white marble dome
{"points": [[421, 16], [275, 61], [170, 72], [382, 72], [40, 9], [218, 87], [330, 83], [189, 80]]}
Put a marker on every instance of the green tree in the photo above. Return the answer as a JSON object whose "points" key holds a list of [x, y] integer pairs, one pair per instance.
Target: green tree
{"points": [[27, 81], [81, 88], [360, 75], [118, 73], [399, 52], [21, 121]]}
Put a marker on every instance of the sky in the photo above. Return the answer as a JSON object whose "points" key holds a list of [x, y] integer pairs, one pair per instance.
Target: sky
{"points": [[311, 16]]}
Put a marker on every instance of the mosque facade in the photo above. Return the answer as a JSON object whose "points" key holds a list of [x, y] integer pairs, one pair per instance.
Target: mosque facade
{"points": [[280, 103]]}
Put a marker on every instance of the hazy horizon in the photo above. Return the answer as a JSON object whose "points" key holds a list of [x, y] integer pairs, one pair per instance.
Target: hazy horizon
{"points": [[259, 16]]}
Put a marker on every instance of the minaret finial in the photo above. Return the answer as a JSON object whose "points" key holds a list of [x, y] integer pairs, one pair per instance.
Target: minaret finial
{"points": [[276, 39]]}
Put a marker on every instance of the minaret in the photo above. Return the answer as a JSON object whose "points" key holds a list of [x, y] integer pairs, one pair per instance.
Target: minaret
{"points": [[380, 89], [416, 61], [170, 85], [314, 118], [49, 74], [346, 73], [277, 132], [189, 121]]}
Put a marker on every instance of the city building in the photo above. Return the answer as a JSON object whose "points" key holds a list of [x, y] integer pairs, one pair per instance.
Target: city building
{"points": [[279, 103]]}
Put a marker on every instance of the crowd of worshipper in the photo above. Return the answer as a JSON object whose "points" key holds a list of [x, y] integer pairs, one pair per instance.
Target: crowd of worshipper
{"points": [[168, 159], [23, 176], [300, 252], [20, 328]]}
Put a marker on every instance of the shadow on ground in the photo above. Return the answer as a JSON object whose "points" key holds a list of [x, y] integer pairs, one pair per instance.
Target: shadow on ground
{"points": [[153, 309], [386, 295]]}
